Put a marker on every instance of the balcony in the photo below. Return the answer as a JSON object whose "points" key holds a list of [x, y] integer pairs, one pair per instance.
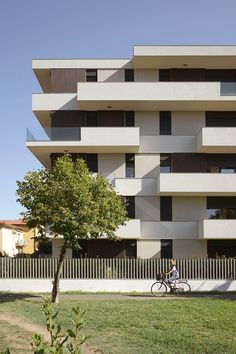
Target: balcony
{"points": [[84, 139], [217, 229], [136, 186], [154, 96], [167, 144], [217, 140], [20, 243], [169, 229], [174, 56], [130, 230], [196, 184], [44, 103]]}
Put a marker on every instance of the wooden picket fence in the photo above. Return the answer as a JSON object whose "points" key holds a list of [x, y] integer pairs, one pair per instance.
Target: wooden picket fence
{"points": [[96, 268]]}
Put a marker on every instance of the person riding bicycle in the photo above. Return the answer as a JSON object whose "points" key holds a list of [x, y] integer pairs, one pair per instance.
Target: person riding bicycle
{"points": [[173, 271]]}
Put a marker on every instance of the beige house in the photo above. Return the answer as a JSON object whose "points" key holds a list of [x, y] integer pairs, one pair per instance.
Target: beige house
{"points": [[162, 127], [16, 238]]}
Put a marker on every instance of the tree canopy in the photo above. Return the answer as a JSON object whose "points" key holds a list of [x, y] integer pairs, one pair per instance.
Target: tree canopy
{"points": [[72, 202]]}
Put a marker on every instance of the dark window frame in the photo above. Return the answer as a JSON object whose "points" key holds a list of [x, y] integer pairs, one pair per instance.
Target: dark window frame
{"points": [[166, 248], [166, 208], [91, 75], [165, 122], [130, 165], [129, 75]]}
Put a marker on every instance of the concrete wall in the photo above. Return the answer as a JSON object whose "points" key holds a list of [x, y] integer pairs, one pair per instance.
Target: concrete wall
{"points": [[147, 165], [189, 248], [148, 248], [143, 75], [109, 285], [187, 123], [148, 122], [147, 208], [109, 75], [189, 208], [111, 165], [56, 245]]}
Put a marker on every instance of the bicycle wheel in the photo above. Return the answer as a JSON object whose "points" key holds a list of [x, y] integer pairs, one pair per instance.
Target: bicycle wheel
{"points": [[158, 289], [183, 288]]}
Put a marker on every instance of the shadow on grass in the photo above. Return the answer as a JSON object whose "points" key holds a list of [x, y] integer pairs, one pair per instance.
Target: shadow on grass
{"points": [[11, 297]]}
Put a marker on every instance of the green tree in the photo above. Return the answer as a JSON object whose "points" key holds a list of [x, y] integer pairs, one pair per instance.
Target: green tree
{"points": [[73, 203]]}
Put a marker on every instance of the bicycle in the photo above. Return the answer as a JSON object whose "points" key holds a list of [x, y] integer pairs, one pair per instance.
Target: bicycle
{"points": [[161, 286]]}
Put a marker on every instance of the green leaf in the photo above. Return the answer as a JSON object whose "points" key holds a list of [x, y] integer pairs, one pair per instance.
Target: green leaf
{"points": [[71, 333]]}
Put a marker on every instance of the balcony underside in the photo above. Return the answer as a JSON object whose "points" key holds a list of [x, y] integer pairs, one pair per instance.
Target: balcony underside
{"points": [[42, 150], [196, 184]]}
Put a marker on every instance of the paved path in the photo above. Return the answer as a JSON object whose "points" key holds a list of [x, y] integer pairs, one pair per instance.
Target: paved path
{"points": [[127, 297]]}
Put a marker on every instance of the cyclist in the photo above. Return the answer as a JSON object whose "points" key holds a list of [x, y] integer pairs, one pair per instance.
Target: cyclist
{"points": [[173, 271]]}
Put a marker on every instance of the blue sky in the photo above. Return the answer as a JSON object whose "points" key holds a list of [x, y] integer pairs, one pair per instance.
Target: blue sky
{"points": [[84, 29]]}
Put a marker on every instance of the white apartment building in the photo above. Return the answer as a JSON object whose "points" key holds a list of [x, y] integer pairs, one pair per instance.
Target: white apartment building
{"points": [[162, 127]]}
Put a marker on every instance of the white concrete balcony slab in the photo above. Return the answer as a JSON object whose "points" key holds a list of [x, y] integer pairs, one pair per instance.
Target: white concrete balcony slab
{"points": [[217, 229], [154, 96], [196, 184], [169, 229], [130, 230], [85, 139], [167, 144], [136, 186], [217, 140], [175, 56]]}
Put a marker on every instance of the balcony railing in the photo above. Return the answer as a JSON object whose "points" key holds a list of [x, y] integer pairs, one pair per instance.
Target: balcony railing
{"points": [[228, 88], [53, 134]]}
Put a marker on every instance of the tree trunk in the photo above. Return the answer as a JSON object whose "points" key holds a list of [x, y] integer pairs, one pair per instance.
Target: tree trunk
{"points": [[57, 275]]}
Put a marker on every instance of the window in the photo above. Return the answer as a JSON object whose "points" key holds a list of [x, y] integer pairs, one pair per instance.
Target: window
{"points": [[129, 75], [92, 162], [91, 75], [227, 170], [129, 119], [166, 208], [129, 165], [130, 248], [91, 119], [166, 249], [165, 123], [165, 163], [130, 206], [164, 75], [221, 207]]}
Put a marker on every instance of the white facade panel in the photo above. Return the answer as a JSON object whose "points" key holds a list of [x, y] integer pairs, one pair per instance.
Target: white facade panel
{"points": [[190, 248], [111, 165], [148, 122], [148, 249], [196, 184], [187, 123], [136, 186], [147, 208], [147, 165], [167, 144], [217, 229], [169, 230], [149, 96], [217, 140]]}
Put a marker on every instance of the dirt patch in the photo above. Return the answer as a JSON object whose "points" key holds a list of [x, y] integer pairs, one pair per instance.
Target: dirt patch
{"points": [[32, 328]]}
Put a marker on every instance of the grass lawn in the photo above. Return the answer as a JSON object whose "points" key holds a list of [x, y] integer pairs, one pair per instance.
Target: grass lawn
{"points": [[198, 325]]}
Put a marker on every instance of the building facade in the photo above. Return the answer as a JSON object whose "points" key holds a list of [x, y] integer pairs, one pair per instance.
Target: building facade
{"points": [[162, 127], [16, 238]]}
